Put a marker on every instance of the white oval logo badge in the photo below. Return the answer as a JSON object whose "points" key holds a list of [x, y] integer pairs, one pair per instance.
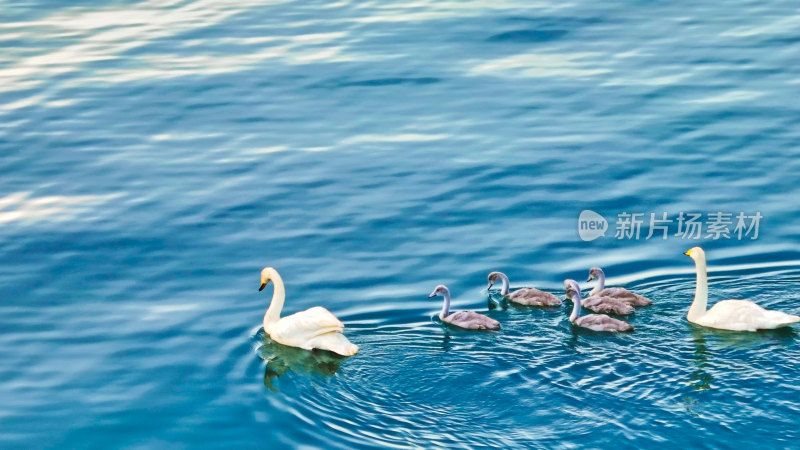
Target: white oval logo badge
{"points": [[591, 225]]}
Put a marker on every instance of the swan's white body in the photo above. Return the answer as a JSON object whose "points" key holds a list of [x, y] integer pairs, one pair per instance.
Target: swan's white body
{"points": [[735, 315], [313, 328]]}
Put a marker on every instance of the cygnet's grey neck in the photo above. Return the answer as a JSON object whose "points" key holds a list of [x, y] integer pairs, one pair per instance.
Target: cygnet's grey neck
{"points": [[504, 288], [576, 302], [601, 283], [446, 305]]}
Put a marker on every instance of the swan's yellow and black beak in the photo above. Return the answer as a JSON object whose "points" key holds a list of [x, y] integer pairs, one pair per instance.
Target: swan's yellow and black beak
{"points": [[263, 285], [688, 252], [590, 278], [490, 286]]}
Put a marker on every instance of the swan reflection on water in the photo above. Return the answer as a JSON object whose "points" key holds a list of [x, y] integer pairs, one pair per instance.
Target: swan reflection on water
{"points": [[700, 378], [281, 359], [727, 338]]}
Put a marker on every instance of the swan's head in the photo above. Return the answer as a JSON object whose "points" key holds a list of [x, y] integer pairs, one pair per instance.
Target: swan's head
{"points": [[266, 277], [595, 272], [440, 290], [696, 253], [572, 289], [494, 277]]}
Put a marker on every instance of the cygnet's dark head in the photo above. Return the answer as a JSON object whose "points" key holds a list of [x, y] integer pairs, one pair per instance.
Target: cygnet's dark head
{"points": [[594, 273], [439, 290], [572, 288], [494, 277]]}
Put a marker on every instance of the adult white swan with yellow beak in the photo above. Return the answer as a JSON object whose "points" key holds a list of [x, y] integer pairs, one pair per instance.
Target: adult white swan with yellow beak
{"points": [[313, 328], [736, 315]]}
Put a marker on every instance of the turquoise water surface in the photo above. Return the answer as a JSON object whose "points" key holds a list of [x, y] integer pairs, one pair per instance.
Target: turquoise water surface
{"points": [[155, 155]]}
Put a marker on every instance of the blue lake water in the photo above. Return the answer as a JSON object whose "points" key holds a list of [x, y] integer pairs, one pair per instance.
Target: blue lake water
{"points": [[155, 155]]}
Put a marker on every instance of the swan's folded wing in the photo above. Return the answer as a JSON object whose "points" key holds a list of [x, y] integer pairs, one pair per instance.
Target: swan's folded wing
{"points": [[590, 301], [616, 292], [472, 321], [307, 324], [601, 322], [534, 297], [745, 315], [607, 305], [626, 295]]}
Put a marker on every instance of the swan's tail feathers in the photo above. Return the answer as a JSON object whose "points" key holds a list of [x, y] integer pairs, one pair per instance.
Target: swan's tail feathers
{"points": [[336, 342], [642, 301], [781, 319], [790, 319]]}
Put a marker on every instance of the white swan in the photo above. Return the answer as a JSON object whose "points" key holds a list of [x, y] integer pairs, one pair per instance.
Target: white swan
{"points": [[596, 322], [469, 320], [524, 296], [313, 328], [736, 315]]}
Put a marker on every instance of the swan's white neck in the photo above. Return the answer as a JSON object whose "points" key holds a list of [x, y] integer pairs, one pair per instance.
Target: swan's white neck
{"points": [[576, 308], [698, 308], [504, 289], [446, 306], [601, 284], [278, 296]]}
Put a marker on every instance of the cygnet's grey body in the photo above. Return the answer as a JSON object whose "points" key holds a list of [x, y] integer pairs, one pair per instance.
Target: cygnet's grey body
{"points": [[607, 305], [469, 320], [616, 293], [524, 296], [596, 322]]}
